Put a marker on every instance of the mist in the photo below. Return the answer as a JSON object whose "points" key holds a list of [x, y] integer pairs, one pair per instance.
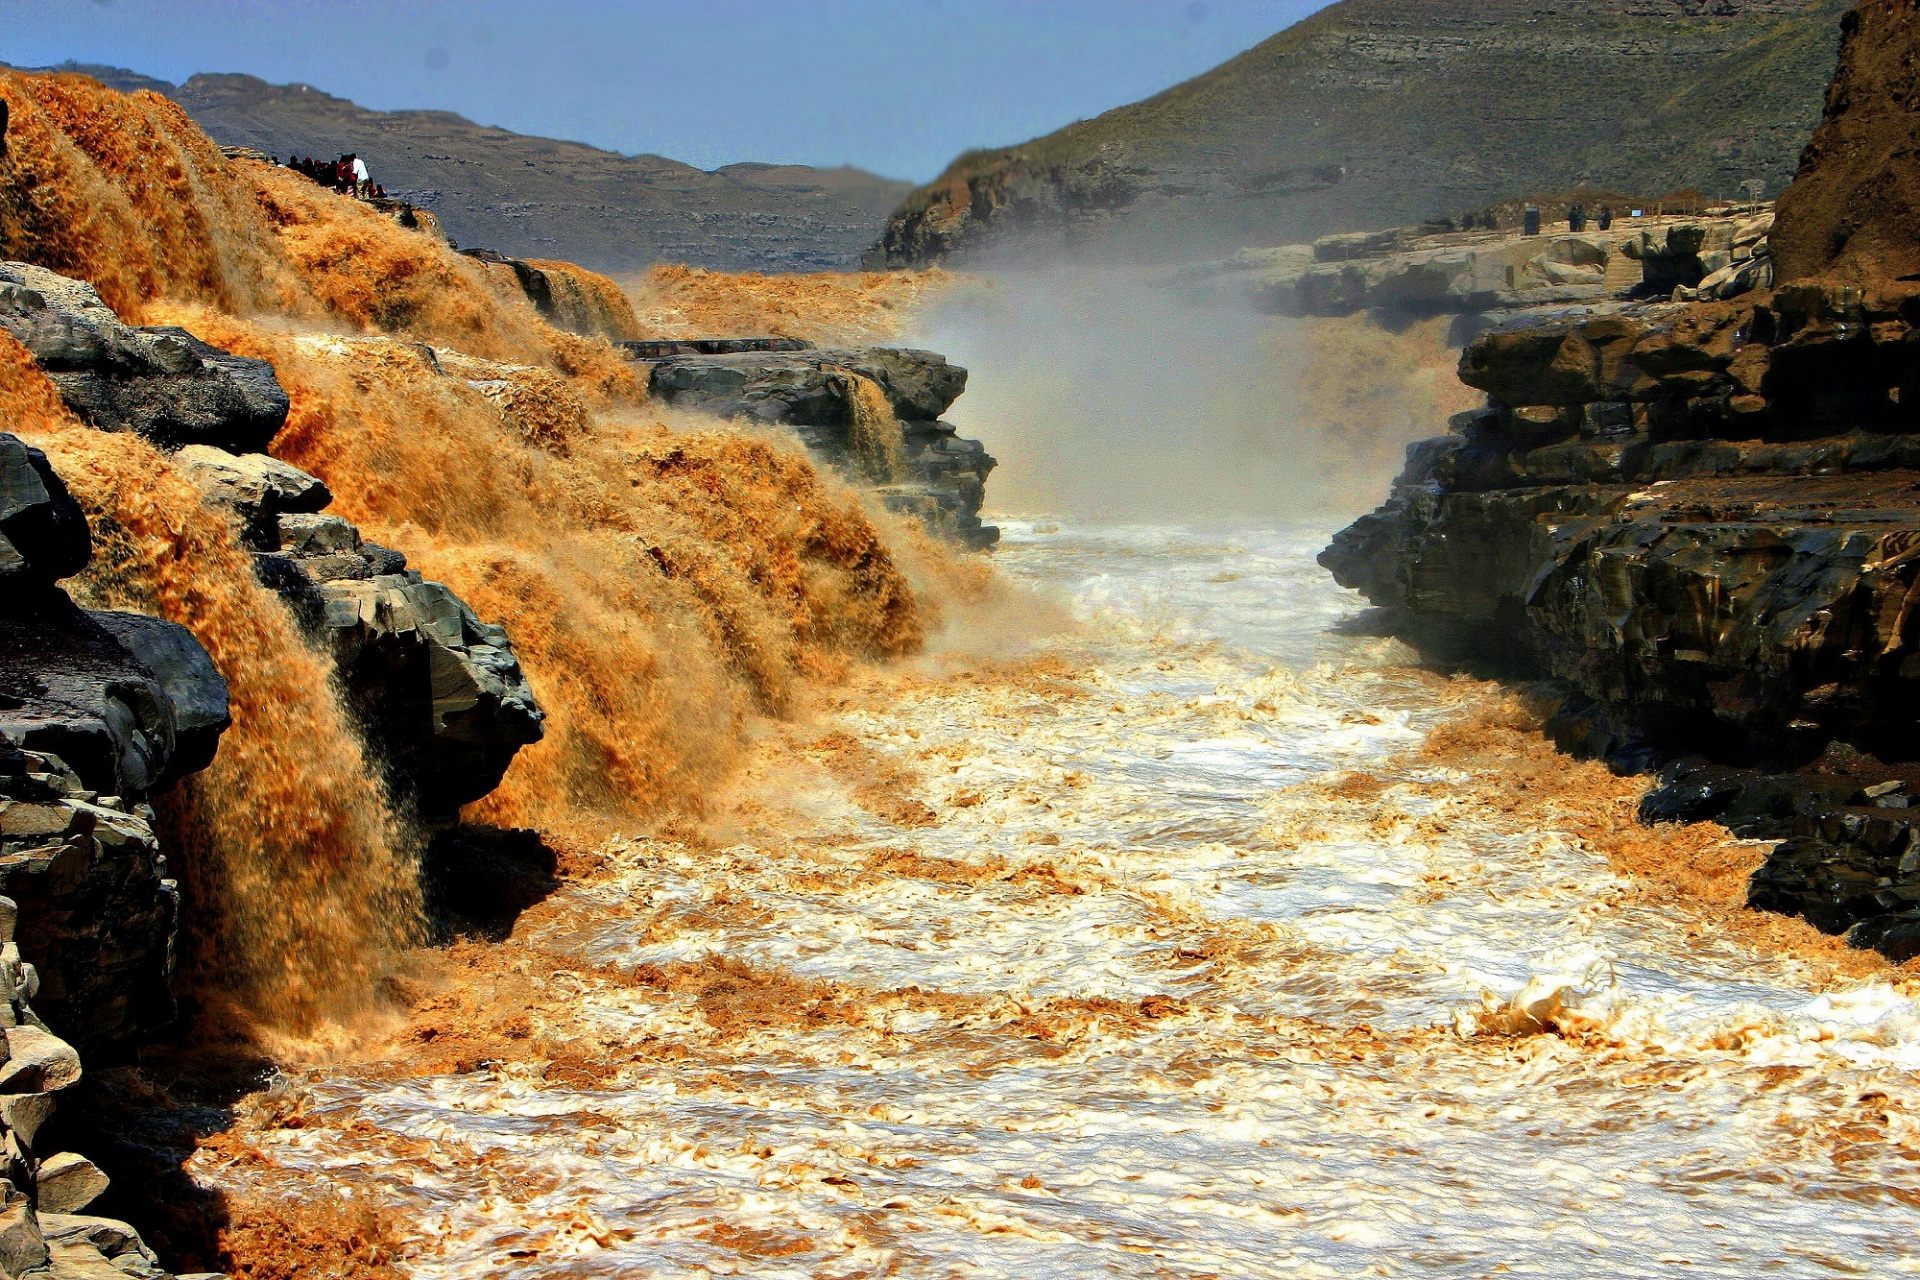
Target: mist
{"points": [[1112, 394]]}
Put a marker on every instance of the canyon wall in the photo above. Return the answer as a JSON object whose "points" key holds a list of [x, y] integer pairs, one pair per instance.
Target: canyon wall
{"points": [[1703, 519]]}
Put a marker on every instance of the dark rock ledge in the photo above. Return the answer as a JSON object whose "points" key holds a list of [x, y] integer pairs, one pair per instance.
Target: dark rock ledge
{"points": [[438, 692], [784, 382], [1705, 521]]}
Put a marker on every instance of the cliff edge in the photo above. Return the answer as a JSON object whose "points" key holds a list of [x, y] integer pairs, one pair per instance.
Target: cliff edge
{"points": [[1704, 520]]}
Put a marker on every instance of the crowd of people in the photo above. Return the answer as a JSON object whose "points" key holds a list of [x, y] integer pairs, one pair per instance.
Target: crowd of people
{"points": [[347, 175]]}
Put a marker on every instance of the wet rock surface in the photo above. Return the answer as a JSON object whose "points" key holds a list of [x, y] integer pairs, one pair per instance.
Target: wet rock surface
{"points": [[85, 938], [162, 381], [440, 693], [1704, 519], [941, 477], [133, 703], [43, 532]]}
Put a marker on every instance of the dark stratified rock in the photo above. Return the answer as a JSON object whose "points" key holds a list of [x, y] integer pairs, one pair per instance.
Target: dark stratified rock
{"points": [[941, 477], [43, 532], [97, 909], [188, 681], [807, 388], [70, 688], [438, 692], [162, 382], [132, 702], [1706, 521], [661, 348]]}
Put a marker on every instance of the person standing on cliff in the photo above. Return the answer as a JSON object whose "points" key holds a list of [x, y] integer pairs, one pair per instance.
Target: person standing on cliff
{"points": [[362, 180]]}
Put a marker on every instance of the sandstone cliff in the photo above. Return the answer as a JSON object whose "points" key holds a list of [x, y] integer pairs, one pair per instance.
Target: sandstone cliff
{"points": [[1376, 112]]}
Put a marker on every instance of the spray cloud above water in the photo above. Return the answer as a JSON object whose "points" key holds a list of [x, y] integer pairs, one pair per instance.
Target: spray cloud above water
{"points": [[1113, 393]]}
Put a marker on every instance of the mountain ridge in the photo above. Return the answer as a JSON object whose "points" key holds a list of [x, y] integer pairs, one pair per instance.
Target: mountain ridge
{"points": [[1369, 113], [529, 196]]}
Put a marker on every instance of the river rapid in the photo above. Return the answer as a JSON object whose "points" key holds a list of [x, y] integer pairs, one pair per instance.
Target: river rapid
{"points": [[1098, 960]]}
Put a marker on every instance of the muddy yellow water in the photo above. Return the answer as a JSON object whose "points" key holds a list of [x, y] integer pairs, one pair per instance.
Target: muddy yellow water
{"points": [[1085, 962]]}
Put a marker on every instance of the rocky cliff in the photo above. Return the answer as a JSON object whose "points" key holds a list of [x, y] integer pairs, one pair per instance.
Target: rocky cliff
{"points": [[1704, 520], [872, 413], [1374, 113]]}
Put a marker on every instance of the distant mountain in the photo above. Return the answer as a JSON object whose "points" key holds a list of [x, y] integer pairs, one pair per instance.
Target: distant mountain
{"points": [[1373, 113], [535, 197]]}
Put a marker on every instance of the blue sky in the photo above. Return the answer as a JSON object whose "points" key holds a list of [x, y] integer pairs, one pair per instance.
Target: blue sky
{"points": [[896, 86]]}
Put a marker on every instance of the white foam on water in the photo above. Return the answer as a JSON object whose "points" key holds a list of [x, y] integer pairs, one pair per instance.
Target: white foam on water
{"points": [[1376, 1049]]}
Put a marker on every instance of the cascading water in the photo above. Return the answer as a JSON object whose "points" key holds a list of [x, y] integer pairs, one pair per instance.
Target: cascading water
{"points": [[1192, 962], [301, 883]]}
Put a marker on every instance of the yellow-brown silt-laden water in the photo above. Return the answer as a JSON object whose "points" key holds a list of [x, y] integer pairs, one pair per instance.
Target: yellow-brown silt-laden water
{"points": [[1162, 950]]}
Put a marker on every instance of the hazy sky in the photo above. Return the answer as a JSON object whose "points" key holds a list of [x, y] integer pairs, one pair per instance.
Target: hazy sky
{"points": [[896, 86]]}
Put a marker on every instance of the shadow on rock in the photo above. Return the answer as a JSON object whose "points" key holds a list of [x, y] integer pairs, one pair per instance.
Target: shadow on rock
{"points": [[479, 879]]}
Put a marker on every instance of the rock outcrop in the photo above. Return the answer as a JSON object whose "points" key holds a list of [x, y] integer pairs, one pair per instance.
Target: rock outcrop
{"points": [[439, 694], [1420, 271], [98, 710], [892, 441], [1705, 521], [86, 940], [161, 381]]}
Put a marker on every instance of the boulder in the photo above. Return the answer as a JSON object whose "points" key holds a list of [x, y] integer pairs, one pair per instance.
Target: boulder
{"points": [[439, 693], [43, 532], [67, 1183], [944, 480], [807, 388], [162, 382], [37, 1062], [22, 1247], [254, 486], [69, 687], [188, 681]]}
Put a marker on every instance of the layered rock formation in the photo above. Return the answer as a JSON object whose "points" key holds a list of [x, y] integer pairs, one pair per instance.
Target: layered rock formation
{"points": [[891, 440], [1706, 520], [161, 381], [1377, 112], [111, 708], [1417, 271], [439, 693], [115, 706]]}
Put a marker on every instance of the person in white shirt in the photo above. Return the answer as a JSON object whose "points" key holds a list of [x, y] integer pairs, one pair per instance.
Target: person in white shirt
{"points": [[362, 183]]}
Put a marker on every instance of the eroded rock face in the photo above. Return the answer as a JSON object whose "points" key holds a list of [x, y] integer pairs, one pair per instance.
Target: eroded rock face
{"points": [[162, 382], [1417, 271], [440, 693], [1706, 520], [133, 703], [1852, 215], [942, 476], [85, 939], [43, 532]]}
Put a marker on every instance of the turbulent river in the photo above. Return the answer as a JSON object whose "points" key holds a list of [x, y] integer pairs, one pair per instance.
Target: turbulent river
{"points": [[1085, 962]]}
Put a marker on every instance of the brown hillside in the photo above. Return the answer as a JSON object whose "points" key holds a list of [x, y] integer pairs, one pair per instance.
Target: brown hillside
{"points": [[1853, 212], [1381, 112], [531, 197]]}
